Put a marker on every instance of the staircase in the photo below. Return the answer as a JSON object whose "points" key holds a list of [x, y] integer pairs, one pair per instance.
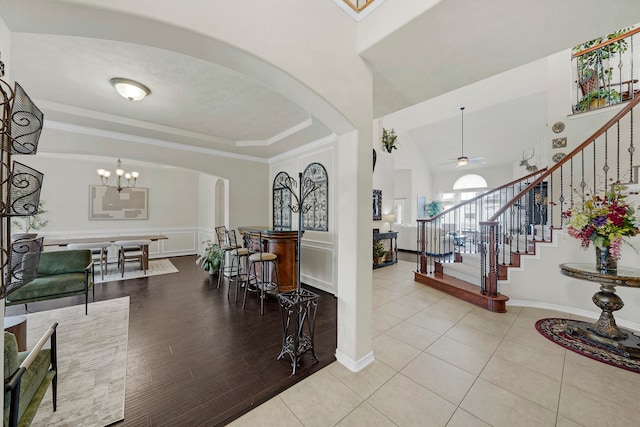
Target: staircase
{"points": [[511, 221]]}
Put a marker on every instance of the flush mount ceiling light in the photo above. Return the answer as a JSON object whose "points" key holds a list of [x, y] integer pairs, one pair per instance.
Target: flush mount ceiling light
{"points": [[129, 89]]}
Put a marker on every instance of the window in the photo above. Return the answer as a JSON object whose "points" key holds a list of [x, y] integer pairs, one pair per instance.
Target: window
{"points": [[281, 202], [469, 181], [315, 212]]}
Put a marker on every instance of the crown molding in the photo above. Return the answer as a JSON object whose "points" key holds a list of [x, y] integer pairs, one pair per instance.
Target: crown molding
{"points": [[49, 124], [282, 135], [303, 149]]}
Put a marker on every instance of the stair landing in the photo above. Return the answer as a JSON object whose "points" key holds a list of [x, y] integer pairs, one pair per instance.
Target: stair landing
{"points": [[463, 290]]}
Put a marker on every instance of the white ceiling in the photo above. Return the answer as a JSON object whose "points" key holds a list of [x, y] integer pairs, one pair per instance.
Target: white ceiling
{"points": [[194, 102]]}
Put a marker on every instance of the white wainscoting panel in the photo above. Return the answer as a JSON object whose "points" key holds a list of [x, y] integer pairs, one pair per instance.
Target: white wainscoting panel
{"points": [[317, 267]]}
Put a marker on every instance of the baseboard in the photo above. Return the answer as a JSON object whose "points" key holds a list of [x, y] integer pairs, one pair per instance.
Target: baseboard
{"points": [[354, 365]]}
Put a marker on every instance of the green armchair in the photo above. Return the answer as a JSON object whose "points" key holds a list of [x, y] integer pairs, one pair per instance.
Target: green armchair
{"points": [[27, 376], [60, 274]]}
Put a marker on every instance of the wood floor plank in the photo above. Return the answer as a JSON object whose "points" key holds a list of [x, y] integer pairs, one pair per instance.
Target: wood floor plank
{"points": [[196, 357]]}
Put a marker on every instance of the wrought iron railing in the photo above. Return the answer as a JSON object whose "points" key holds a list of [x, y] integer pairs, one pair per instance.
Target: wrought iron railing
{"points": [[456, 231], [605, 158], [604, 71]]}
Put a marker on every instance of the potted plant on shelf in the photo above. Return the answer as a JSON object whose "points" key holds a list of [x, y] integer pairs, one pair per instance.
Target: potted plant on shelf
{"points": [[30, 223], [389, 140], [595, 71], [210, 257], [379, 251], [598, 98]]}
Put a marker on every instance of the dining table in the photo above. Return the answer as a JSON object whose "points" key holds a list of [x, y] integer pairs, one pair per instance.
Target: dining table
{"points": [[110, 238], [63, 242]]}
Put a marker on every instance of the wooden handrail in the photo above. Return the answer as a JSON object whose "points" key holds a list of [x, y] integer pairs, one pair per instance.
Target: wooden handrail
{"points": [[479, 196], [606, 43], [575, 151]]}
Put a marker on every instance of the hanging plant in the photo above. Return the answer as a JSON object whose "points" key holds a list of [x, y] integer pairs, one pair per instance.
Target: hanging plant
{"points": [[389, 140]]}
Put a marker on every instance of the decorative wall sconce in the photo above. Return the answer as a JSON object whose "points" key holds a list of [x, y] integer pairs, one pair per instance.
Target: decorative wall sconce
{"points": [[559, 142]]}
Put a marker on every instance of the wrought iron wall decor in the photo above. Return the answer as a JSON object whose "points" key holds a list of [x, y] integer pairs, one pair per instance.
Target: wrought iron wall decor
{"points": [[281, 202], [20, 127], [316, 216], [315, 212]]}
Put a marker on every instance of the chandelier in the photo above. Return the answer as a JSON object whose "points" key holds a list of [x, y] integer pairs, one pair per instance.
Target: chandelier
{"points": [[123, 179]]}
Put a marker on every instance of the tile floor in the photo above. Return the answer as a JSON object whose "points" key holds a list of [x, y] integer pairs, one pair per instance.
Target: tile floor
{"points": [[442, 362]]}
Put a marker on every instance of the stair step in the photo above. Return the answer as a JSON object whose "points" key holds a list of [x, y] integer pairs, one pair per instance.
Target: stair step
{"points": [[463, 290]]}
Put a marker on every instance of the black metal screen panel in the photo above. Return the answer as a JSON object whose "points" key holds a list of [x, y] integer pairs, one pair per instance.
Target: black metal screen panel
{"points": [[22, 124], [22, 265], [23, 196]]}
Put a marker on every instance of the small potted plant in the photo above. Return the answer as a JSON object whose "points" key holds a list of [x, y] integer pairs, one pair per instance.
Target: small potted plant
{"points": [[210, 257], [30, 223], [389, 140], [378, 251]]}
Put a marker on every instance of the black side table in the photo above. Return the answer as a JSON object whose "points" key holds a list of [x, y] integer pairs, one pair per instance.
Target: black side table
{"points": [[299, 308]]}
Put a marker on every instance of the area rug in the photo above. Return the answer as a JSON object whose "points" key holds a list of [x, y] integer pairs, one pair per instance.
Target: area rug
{"points": [[92, 360], [132, 270], [554, 330]]}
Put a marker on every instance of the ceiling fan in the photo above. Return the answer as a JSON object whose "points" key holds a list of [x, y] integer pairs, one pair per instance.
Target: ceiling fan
{"points": [[464, 160]]}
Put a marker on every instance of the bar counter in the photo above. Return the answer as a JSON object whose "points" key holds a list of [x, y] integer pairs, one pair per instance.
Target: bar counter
{"points": [[283, 243]]}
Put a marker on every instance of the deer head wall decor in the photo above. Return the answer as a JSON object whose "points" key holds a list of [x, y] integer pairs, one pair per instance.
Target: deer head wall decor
{"points": [[525, 161]]}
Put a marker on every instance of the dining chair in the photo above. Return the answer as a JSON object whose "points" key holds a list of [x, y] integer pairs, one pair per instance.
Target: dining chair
{"points": [[133, 249], [99, 251]]}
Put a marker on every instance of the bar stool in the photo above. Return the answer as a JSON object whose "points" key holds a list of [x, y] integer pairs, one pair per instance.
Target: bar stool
{"points": [[267, 261], [98, 253], [133, 249], [238, 254], [223, 241]]}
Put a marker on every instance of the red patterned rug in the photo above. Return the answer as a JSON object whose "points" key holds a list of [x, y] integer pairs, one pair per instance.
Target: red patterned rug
{"points": [[554, 330]]}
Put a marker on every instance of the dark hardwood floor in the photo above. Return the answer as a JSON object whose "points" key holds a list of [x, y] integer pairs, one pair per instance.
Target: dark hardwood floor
{"points": [[196, 357]]}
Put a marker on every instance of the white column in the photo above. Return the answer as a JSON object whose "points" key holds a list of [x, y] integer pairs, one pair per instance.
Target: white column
{"points": [[354, 258]]}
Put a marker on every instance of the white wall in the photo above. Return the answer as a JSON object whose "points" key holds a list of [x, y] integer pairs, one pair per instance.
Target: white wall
{"points": [[540, 283], [495, 177], [180, 202]]}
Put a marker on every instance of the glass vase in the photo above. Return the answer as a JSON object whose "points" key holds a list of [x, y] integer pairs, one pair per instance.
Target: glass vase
{"points": [[605, 262]]}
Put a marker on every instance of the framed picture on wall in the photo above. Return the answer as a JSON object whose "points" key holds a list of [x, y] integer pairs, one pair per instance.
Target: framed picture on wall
{"points": [[108, 203], [377, 205]]}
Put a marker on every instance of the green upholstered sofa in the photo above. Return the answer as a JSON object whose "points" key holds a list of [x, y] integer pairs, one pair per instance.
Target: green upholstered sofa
{"points": [[60, 274], [27, 376]]}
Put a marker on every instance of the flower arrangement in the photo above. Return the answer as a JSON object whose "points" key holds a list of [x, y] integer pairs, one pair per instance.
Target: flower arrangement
{"points": [[603, 220], [210, 257]]}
